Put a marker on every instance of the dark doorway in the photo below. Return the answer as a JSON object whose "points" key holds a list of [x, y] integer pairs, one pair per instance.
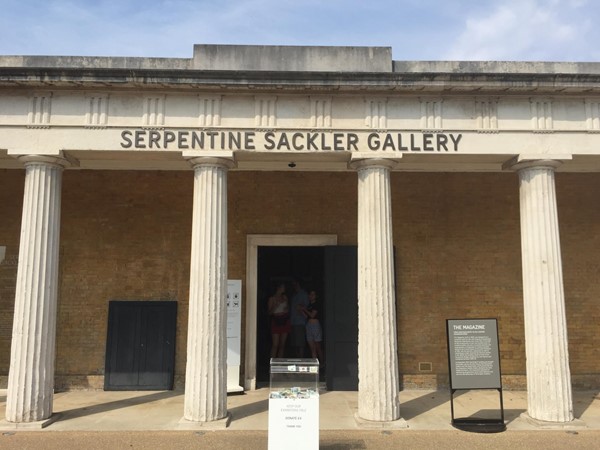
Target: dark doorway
{"points": [[277, 265], [332, 272], [140, 347]]}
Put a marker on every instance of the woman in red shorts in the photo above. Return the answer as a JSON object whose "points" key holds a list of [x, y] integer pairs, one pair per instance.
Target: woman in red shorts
{"points": [[279, 310]]}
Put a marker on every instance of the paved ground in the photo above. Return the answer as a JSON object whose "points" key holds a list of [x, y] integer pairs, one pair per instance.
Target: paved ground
{"points": [[152, 420], [329, 440]]}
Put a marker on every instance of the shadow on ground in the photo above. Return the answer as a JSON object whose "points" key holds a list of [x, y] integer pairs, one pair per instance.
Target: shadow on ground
{"points": [[250, 409], [117, 404]]}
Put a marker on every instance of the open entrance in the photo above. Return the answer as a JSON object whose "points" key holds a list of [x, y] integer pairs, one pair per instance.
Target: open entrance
{"points": [[331, 271], [280, 266]]}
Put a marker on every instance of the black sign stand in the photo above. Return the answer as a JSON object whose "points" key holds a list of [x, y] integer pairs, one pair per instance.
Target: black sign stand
{"points": [[478, 424], [484, 330]]}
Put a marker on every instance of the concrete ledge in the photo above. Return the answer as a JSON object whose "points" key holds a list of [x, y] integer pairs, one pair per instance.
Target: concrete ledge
{"points": [[497, 67], [292, 58], [380, 425], [96, 62], [220, 424], [575, 424], [28, 426]]}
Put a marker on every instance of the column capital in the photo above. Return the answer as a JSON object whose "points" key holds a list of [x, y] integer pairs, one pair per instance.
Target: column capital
{"points": [[60, 159], [521, 162], [225, 160], [359, 162]]}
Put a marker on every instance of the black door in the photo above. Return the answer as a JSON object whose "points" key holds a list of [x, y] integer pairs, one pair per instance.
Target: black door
{"points": [[140, 346], [341, 307]]}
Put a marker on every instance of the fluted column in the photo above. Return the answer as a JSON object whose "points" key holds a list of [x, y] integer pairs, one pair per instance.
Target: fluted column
{"points": [[546, 345], [378, 382], [206, 370], [31, 373]]}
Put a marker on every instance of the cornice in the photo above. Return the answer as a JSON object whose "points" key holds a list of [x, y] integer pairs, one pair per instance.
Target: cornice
{"points": [[179, 79]]}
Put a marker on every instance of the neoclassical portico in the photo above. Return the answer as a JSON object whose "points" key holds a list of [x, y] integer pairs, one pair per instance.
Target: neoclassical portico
{"points": [[350, 111]]}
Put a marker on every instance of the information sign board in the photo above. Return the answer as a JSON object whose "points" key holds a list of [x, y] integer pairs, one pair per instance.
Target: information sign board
{"points": [[473, 354]]}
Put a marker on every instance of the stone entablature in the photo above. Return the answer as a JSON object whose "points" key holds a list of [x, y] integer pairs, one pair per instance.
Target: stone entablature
{"points": [[84, 108], [104, 121], [301, 100]]}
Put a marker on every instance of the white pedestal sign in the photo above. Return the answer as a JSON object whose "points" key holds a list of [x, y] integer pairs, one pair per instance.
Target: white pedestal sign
{"points": [[234, 331], [294, 423]]}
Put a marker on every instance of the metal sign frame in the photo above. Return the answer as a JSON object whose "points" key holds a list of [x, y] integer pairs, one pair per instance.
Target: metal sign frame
{"points": [[490, 377]]}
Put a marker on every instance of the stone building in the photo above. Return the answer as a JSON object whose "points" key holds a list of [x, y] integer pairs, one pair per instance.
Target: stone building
{"points": [[405, 193]]}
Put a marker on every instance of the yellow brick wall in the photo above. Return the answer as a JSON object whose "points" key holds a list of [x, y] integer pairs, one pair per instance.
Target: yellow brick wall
{"points": [[11, 206], [579, 216], [458, 256], [126, 236]]}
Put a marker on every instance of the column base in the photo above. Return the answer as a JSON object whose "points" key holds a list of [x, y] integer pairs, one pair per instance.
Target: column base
{"points": [[220, 424], [575, 424], [379, 425], [37, 425]]}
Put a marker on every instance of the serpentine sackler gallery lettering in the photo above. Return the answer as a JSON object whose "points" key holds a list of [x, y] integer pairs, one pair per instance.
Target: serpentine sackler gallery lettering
{"points": [[141, 139]]}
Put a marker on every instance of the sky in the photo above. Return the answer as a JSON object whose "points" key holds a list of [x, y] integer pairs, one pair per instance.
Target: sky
{"points": [[515, 30]]}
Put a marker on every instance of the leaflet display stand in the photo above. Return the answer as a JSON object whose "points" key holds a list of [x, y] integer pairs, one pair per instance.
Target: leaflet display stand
{"points": [[234, 335], [294, 404], [474, 364]]}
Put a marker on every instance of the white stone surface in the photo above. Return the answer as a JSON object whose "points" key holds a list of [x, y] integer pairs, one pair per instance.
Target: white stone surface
{"points": [[546, 345], [378, 382], [488, 125], [206, 370], [532, 107], [31, 374]]}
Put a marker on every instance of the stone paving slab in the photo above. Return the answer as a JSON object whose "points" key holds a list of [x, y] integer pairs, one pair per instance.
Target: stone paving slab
{"points": [[420, 409], [329, 440]]}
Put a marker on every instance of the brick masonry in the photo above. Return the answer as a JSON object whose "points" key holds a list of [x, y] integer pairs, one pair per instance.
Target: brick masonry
{"points": [[126, 236]]}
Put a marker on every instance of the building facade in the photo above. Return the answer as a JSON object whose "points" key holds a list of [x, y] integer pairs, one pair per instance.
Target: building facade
{"points": [[405, 193]]}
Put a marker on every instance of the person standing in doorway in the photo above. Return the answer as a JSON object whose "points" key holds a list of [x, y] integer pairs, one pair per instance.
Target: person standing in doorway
{"points": [[314, 332], [298, 302], [279, 310]]}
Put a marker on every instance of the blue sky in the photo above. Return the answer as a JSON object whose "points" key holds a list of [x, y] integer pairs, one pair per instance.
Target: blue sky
{"points": [[549, 30]]}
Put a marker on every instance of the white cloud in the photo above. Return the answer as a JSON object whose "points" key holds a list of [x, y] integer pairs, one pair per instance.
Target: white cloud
{"points": [[527, 29], [415, 29]]}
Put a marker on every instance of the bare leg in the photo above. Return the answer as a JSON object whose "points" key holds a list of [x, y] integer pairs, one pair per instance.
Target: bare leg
{"points": [[282, 345], [313, 351], [275, 345], [319, 352]]}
